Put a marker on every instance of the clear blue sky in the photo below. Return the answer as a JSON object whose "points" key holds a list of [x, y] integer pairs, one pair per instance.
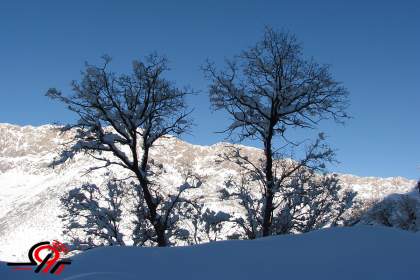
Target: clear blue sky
{"points": [[373, 47]]}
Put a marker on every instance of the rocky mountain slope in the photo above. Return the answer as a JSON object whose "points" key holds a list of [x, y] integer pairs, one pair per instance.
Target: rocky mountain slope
{"points": [[30, 188]]}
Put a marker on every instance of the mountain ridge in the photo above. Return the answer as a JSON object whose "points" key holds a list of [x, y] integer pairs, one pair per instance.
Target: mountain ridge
{"points": [[217, 144]]}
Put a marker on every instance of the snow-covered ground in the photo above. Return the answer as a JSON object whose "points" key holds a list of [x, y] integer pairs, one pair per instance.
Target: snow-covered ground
{"points": [[357, 253]]}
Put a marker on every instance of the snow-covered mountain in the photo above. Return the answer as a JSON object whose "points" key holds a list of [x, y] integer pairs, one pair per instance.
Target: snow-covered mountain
{"points": [[30, 188]]}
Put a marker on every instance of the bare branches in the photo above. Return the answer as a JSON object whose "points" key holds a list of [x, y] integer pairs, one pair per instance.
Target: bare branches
{"points": [[268, 90], [273, 85], [114, 109], [122, 116]]}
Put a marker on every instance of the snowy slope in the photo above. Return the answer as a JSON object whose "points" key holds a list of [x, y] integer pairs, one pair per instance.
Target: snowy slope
{"points": [[361, 252], [30, 189]]}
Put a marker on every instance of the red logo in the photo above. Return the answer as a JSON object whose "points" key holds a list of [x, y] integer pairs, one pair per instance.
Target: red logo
{"points": [[46, 257]]}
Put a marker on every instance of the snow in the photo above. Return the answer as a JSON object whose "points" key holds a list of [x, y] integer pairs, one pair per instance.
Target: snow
{"points": [[361, 252], [30, 189], [29, 208]]}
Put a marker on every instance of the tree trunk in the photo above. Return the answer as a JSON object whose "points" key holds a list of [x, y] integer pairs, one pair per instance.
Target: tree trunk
{"points": [[154, 220], [269, 195]]}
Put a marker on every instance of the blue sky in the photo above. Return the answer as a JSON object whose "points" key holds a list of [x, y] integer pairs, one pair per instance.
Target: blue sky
{"points": [[373, 47]]}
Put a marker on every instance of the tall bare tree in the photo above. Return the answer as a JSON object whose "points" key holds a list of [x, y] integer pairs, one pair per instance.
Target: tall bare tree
{"points": [[124, 115], [268, 90]]}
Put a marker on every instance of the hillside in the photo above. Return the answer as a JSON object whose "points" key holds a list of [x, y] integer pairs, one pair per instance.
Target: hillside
{"points": [[30, 188]]}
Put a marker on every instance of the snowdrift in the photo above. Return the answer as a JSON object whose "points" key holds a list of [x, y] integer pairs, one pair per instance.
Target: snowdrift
{"points": [[361, 252]]}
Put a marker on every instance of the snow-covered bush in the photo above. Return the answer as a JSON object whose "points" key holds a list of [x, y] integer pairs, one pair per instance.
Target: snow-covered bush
{"points": [[92, 216], [358, 210], [308, 201], [114, 214], [208, 224], [398, 210]]}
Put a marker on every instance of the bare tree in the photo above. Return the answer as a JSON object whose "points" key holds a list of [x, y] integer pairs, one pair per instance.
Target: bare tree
{"points": [[124, 115], [268, 90]]}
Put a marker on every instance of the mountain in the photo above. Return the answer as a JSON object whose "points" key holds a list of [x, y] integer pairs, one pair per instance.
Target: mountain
{"points": [[30, 188]]}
